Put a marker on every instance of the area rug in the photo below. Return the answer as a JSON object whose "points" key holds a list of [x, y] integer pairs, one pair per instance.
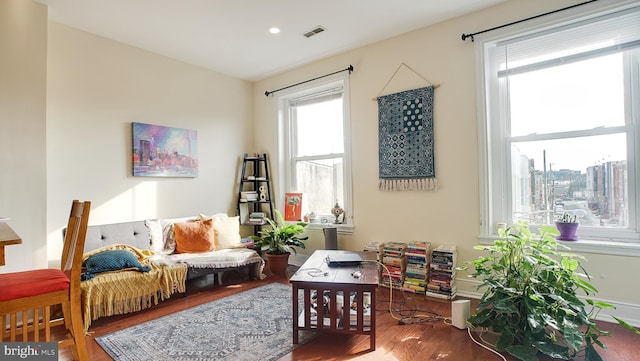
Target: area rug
{"points": [[252, 325]]}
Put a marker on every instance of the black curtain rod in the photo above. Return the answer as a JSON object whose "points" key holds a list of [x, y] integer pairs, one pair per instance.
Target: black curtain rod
{"points": [[465, 36], [350, 69]]}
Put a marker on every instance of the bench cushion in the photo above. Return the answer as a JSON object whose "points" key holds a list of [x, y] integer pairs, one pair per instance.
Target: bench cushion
{"points": [[224, 258]]}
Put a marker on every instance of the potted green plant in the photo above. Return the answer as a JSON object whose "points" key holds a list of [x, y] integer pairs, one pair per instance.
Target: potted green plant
{"points": [[277, 242], [532, 297], [567, 225]]}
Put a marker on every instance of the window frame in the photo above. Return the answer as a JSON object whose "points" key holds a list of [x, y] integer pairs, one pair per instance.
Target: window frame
{"points": [[495, 156], [286, 144]]}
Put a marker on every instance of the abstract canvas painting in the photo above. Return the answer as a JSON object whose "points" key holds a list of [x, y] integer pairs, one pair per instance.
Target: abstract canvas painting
{"points": [[160, 151]]}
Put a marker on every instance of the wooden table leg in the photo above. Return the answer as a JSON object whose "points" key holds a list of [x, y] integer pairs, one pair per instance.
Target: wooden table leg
{"points": [[294, 297], [372, 335]]}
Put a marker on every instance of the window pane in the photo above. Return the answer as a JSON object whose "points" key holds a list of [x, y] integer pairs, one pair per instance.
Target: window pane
{"points": [[320, 182], [579, 178], [575, 96], [320, 128]]}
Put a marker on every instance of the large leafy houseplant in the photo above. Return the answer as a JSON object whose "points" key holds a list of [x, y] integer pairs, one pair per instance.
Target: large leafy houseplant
{"points": [[532, 297], [282, 238]]}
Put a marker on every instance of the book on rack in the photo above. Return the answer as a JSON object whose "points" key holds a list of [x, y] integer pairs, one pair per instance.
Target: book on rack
{"points": [[399, 246], [391, 283], [442, 295], [248, 196], [413, 288], [416, 270], [373, 246], [423, 276], [442, 274], [256, 218], [417, 257], [394, 263], [419, 245], [416, 281], [417, 267]]}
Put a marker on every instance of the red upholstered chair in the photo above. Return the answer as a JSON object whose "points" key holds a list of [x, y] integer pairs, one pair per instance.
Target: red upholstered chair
{"points": [[32, 293]]}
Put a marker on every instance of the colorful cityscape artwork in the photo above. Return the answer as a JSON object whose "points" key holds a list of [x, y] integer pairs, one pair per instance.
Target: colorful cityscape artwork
{"points": [[160, 151]]}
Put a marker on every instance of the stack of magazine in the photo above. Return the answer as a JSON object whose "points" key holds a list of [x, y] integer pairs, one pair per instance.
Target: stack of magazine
{"points": [[395, 262], [256, 218], [417, 272], [442, 274]]}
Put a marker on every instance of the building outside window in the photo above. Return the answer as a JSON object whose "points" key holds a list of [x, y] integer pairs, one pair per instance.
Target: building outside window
{"points": [[559, 123], [314, 123]]}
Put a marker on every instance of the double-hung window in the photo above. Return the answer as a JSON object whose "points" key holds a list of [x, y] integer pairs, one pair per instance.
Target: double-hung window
{"points": [[314, 124], [559, 107]]}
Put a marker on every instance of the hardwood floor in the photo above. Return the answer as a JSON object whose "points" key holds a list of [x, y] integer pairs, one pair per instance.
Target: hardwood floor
{"points": [[395, 341]]}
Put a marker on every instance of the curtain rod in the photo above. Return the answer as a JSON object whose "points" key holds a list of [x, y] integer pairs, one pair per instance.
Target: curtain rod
{"points": [[350, 69], [465, 36]]}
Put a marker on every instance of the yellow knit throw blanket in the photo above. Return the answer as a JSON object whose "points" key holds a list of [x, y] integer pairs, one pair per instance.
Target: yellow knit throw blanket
{"points": [[120, 292]]}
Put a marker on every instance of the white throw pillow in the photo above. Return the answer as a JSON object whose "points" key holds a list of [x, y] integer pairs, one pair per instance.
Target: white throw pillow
{"points": [[155, 232], [227, 232]]}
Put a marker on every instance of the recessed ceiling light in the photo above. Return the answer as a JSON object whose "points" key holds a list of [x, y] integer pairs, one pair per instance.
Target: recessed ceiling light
{"points": [[274, 30]]}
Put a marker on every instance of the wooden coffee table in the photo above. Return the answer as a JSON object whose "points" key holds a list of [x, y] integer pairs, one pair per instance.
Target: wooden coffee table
{"points": [[315, 278]]}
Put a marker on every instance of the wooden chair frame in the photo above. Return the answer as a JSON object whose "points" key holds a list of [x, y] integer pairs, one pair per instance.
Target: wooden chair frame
{"points": [[36, 310]]}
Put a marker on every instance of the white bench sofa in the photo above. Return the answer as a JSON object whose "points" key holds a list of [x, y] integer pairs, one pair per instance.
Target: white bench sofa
{"points": [[153, 242]]}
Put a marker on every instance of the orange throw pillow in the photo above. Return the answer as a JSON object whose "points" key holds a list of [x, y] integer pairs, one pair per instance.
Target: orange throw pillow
{"points": [[194, 237]]}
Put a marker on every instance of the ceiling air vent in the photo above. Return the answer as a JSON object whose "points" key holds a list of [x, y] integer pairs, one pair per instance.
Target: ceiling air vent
{"points": [[317, 30]]}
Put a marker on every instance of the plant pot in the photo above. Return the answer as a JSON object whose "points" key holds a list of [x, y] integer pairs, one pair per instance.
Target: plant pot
{"points": [[277, 263], [567, 231]]}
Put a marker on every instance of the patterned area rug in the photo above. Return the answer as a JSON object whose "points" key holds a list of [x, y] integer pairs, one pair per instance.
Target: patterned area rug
{"points": [[251, 325]]}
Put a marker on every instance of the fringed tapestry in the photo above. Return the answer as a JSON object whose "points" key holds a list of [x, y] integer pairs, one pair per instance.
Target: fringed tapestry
{"points": [[406, 159]]}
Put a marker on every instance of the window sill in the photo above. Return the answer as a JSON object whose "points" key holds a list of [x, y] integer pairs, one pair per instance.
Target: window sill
{"points": [[342, 228], [631, 249]]}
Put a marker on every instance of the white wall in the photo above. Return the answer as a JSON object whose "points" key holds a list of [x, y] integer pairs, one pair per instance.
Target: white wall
{"points": [[23, 176], [449, 215], [96, 88]]}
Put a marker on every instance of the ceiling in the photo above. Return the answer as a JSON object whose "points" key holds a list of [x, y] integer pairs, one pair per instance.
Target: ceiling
{"points": [[232, 36]]}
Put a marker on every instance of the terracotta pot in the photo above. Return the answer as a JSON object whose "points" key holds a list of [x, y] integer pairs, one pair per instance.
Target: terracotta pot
{"points": [[567, 231], [277, 263]]}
